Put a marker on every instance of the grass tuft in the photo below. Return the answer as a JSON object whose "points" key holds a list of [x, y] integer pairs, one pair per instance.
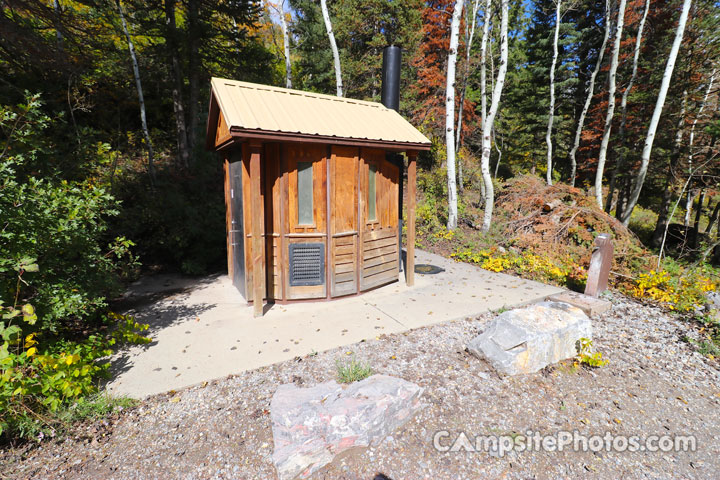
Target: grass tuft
{"points": [[352, 370]]}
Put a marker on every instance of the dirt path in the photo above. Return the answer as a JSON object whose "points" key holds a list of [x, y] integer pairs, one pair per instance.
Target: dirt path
{"points": [[655, 385]]}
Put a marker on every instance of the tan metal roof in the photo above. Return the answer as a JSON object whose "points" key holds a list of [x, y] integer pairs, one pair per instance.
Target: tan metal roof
{"points": [[250, 107]]}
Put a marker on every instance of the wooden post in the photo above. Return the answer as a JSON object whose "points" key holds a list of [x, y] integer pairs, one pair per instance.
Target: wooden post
{"points": [[256, 226], [600, 265], [412, 187]]}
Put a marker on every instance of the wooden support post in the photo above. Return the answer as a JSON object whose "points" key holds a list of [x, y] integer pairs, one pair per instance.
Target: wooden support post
{"points": [[412, 187], [600, 265], [256, 211]]}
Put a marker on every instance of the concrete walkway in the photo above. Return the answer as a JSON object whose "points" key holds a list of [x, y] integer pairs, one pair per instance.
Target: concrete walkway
{"points": [[203, 329]]}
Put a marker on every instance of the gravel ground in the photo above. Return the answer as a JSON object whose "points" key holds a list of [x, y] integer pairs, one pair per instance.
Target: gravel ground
{"points": [[655, 384]]}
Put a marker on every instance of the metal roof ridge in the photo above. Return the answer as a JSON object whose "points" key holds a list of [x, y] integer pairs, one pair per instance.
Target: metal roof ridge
{"points": [[291, 91]]}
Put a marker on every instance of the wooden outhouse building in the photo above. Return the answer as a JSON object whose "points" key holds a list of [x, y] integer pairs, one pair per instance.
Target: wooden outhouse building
{"points": [[313, 190]]}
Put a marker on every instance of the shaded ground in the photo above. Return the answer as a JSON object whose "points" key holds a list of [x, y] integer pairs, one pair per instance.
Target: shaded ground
{"points": [[655, 384]]}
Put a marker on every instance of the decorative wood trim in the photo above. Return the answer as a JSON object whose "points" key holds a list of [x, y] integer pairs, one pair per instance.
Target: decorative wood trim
{"points": [[228, 217], [412, 189], [257, 221], [285, 265], [344, 234], [265, 136]]}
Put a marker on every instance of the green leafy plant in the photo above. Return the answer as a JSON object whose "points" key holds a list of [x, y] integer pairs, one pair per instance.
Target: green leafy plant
{"points": [[352, 370], [587, 356]]}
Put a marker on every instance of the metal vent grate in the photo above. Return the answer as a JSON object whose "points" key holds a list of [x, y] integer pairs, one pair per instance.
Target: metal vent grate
{"points": [[307, 264]]}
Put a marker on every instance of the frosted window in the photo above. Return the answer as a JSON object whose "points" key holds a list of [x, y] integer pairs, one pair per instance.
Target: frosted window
{"points": [[372, 196], [305, 193]]}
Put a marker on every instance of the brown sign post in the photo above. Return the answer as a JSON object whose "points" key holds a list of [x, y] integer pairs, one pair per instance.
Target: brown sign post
{"points": [[600, 265]]}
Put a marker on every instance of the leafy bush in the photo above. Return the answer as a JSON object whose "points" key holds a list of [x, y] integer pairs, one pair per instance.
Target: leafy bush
{"points": [[677, 287], [57, 268], [59, 225], [587, 355], [38, 379]]}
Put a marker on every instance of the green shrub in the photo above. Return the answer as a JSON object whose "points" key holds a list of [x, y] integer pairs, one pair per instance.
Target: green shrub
{"points": [[40, 379], [57, 268], [60, 224]]}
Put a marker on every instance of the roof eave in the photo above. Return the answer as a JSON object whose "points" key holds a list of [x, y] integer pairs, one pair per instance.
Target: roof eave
{"points": [[266, 135]]}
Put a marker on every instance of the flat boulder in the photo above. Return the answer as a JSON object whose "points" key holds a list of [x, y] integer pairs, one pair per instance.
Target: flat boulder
{"points": [[313, 425], [525, 340]]}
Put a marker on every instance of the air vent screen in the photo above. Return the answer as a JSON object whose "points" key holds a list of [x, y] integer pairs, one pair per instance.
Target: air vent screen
{"points": [[307, 264]]}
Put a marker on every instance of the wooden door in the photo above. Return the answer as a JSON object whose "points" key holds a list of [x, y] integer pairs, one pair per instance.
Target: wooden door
{"points": [[305, 237], [344, 221], [379, 180]]}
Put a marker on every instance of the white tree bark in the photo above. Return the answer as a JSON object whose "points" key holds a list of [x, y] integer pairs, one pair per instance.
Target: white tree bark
{"points": [[551, 112], [588, 99], [652, 129], [602, 157], [699, 113], [626, 94], [483, 63], [286, 45], [472, 20], [333, 47], [138, 84], [691, 194], [488, 124], [450, 114]]}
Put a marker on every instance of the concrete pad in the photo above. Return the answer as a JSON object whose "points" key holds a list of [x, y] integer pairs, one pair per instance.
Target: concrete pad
{"points": [[203, 328], [590, 305]]}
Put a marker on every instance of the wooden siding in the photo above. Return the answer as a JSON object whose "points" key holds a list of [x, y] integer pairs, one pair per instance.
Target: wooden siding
{"points": [[379, 258], [379, 238], [311, 233], [344, 221], [222, 134], [249, 220]]}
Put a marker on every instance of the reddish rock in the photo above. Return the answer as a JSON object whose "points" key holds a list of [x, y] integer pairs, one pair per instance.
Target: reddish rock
{"points": [[312, 425]]}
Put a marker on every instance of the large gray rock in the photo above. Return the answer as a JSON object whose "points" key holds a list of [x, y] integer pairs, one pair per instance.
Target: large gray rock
{"points": [[528, 339], [312, 425]]}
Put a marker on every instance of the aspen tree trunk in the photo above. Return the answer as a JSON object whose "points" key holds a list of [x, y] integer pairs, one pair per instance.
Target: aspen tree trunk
{"points": [[450, 115], [488, 124], [333, 47], [602, 157], [141, 98], [674, 157], [483, 63], [588, 99], [623, 109], [664, 86], [469, 35], [286, 45], [178, 105], [483, 78], [468, 46], [699, 113], [551, 112]]}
